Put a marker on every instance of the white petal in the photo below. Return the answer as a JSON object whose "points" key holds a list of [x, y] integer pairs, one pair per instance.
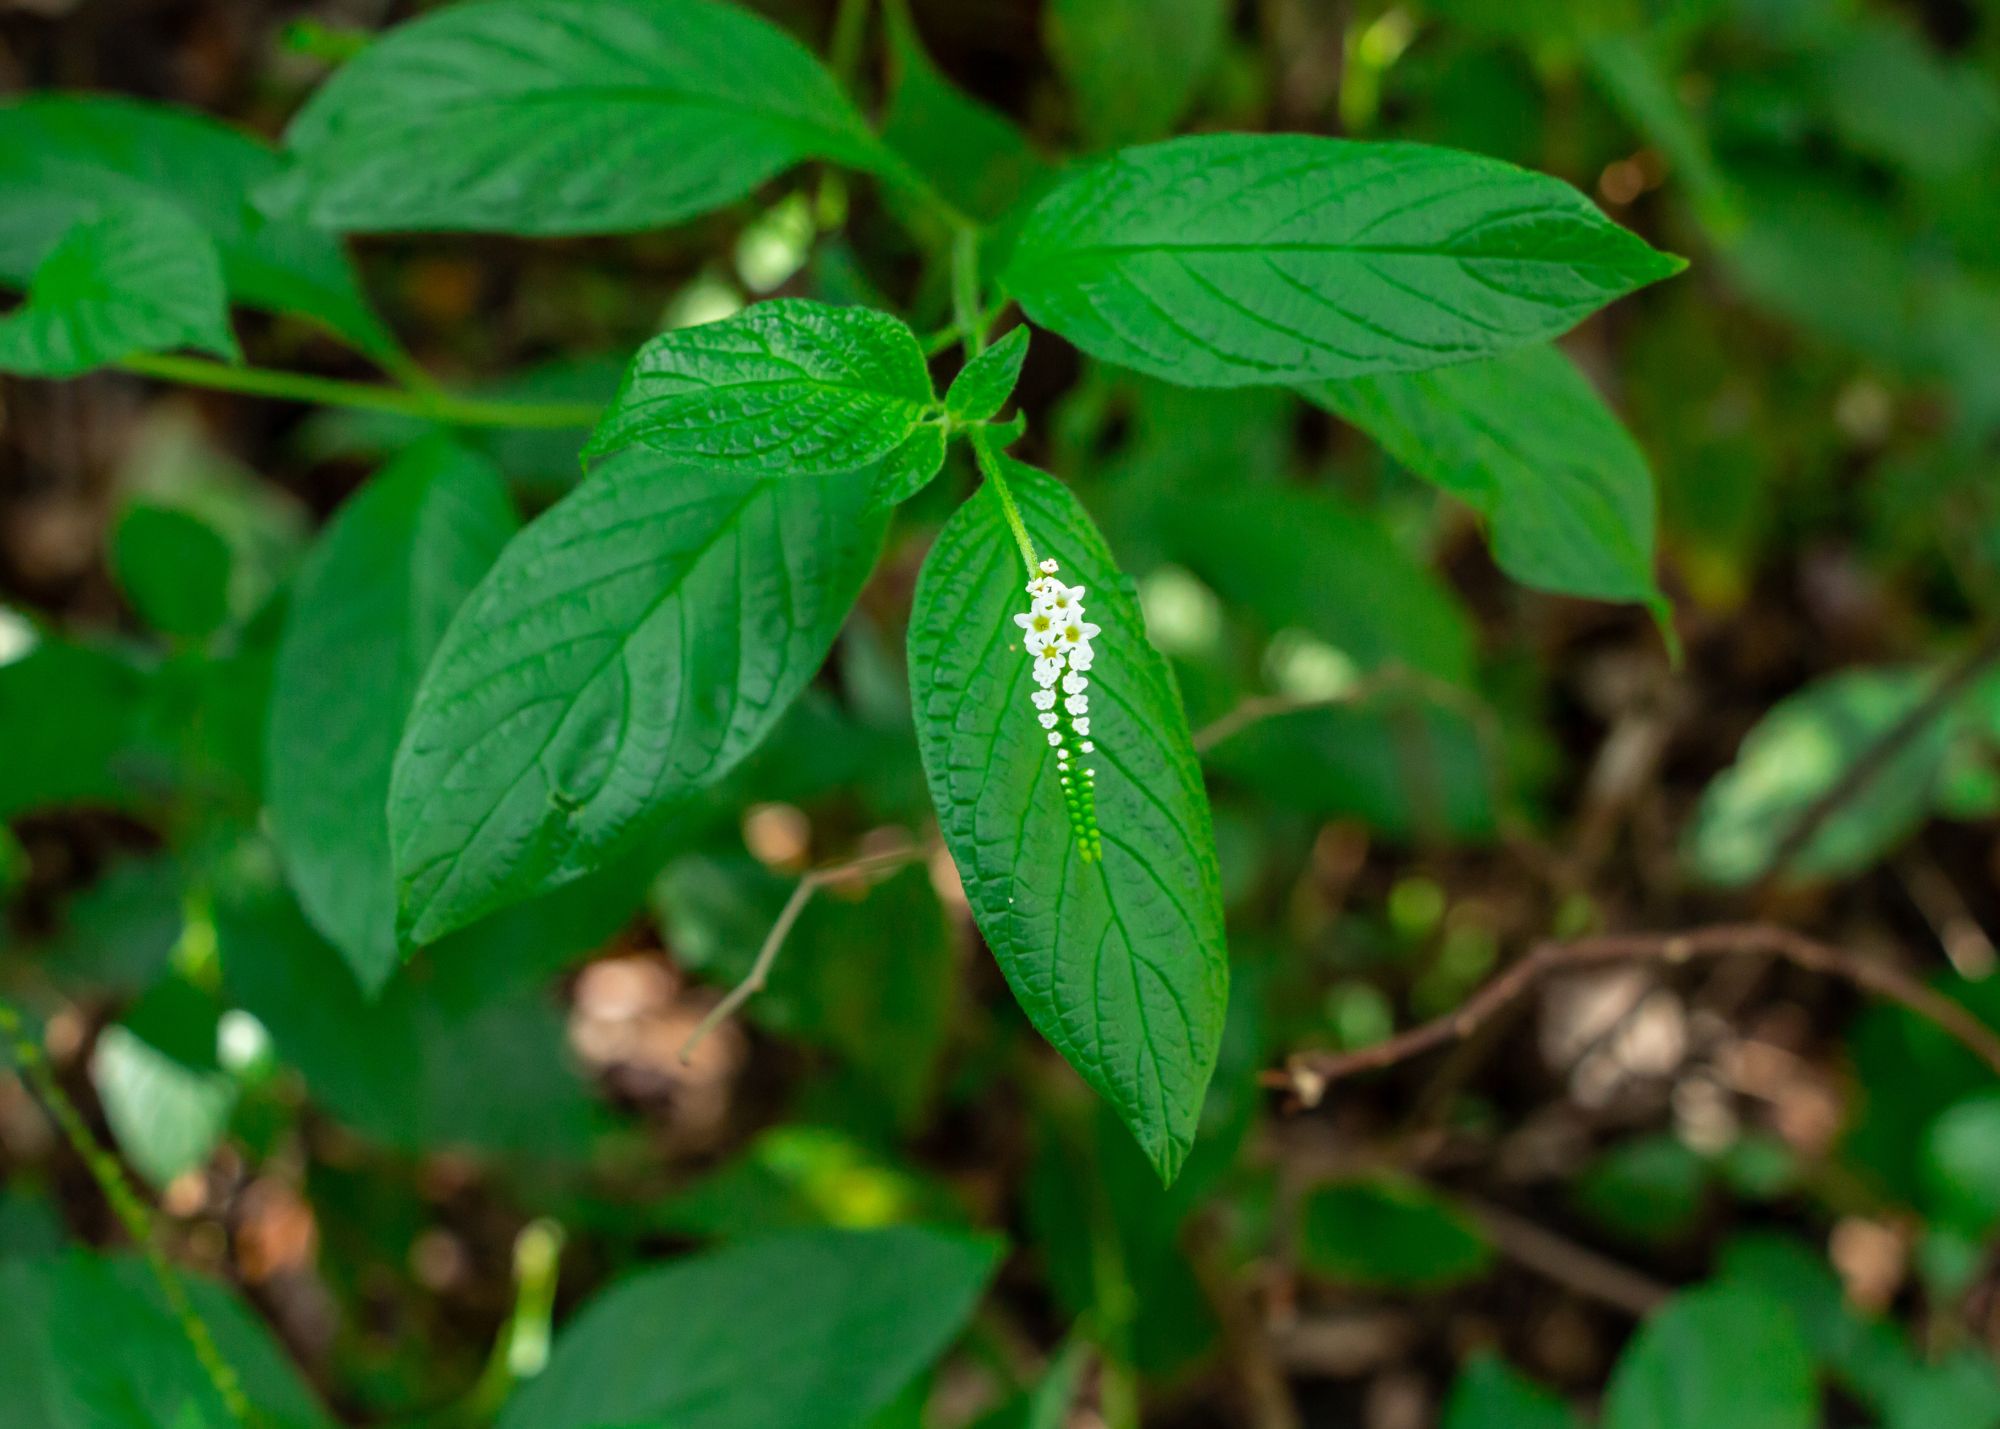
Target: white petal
{"points": [[1048, 719], [1054, 737], [1088, 747], [1082, 727], [1044, 699], [1049, 567], [1077, 704]]}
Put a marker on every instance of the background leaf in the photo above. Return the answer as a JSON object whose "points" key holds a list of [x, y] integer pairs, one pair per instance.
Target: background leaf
{"points": [[1389, 1231], [807, 1329], [64, 158], [1230, 259], [550, 727], [164, 1094], [553, 116], [369, 608], [141, 277], [1488, 1395], [1119, 963], [1524, 440], [1722, 1354], [1133, 66], [64, 1312]]}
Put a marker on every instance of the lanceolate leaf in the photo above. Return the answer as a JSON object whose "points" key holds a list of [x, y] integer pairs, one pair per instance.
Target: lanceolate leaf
{"points": [[1526, 441], [1120, 961], [139, 278], [368, 610], [627, 649], [1225, 260], [65, 157], [786, 388], [982, 388], [562, 116], [808, 1329]]}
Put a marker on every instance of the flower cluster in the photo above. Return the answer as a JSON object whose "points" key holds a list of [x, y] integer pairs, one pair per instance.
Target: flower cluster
{"points": [[1057, 639]]}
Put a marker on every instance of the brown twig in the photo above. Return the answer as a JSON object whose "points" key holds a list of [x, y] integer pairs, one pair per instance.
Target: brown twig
{"points": [[1873, 761], [1377, 684], [1594, 1276], [1308, 1074], [867, 867]]}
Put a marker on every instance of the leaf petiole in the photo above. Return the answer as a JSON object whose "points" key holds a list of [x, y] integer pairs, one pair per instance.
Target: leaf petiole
{"points": [[435, 406]]}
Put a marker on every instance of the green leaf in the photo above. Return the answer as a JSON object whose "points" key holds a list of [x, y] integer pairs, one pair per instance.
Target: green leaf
{"points": [[141, 277], [1119, 962], [461, 1052], [1404, 765], [1961, 1165], [63, 158], [1652, 1189], [173, 567], [164, 1094], [1226, 260], [562, 116], [1133, 66], [626, 650], [368, 610], [1795, 754], [1389, 1232], [1720, 1354], [785, 388], [985, 383], [1526, 441], [1339, 574], [975, 156], [1489, 1395], [808, 1330], [87, 755], [89, 1343]]}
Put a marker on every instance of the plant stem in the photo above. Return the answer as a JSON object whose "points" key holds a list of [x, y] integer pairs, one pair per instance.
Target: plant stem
{"points": [[435, 406], [989, 467], [965, 290], [522, 1349], [850, 21], [132, 1212]]}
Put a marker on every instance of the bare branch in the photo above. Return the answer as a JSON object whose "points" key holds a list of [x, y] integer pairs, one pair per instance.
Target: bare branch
{"points": [[1307, 1075], [868, 867], [1578, 1268], [1387, 681]]}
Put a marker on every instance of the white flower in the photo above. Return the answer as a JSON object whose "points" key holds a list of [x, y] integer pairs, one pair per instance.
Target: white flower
{"points": [[1088, 747], [1059, 601], [1077, 704], [1044, 699], [1081, 657], [1044, 644], [1049, 567], [1082, 728], [1048, 719], [1079, 632], [1038, 622], [1048, 668], [1075, 684], [1055, 737]]}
